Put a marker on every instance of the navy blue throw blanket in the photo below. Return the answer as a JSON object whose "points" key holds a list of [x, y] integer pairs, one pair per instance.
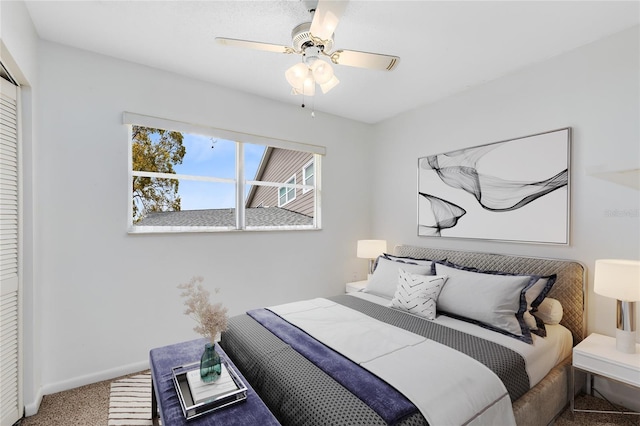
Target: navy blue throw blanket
{"points": [[384, 399]]}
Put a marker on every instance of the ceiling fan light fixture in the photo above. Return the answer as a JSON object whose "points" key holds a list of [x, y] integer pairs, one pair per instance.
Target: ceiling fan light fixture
{"points": [[311, 92], [309, 84], [296, 75], [329, 84], [301, 79], [322, 71]]}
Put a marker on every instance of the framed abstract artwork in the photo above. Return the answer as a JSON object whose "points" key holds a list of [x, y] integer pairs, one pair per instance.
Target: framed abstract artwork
{"points": [[515, 190]]}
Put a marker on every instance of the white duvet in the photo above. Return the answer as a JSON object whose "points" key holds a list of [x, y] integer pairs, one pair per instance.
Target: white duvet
{"points": [[448, 387], [540, 357]]}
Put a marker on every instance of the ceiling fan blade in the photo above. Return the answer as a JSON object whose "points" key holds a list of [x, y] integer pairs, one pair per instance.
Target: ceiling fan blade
{"points": [[353, 58], [326, 17], [256, 45]]}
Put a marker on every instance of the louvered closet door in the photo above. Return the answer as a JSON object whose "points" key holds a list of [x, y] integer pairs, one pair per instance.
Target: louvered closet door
{"points": [[10, 399]]}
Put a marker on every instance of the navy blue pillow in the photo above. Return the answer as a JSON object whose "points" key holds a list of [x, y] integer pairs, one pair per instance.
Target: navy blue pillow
{"points": [[402, 259]]}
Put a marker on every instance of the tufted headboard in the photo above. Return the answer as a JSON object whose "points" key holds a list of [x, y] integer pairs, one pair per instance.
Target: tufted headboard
{"points": [[569, 289]]}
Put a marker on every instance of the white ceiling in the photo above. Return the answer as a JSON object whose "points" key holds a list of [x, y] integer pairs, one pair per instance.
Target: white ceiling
{"points": [[445, 47]]}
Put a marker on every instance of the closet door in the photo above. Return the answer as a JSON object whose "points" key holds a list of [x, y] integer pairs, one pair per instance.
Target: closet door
{"points": [[10, 306]]}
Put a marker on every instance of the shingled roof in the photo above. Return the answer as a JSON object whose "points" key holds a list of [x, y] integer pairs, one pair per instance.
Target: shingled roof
{"points": [[257, 216]]}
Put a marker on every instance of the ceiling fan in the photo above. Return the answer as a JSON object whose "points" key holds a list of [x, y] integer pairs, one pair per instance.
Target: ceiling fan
{"points": [[313, 40]]}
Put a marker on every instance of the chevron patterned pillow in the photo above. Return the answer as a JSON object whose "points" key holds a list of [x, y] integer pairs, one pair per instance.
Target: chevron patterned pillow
{"points": [[418, 294]]}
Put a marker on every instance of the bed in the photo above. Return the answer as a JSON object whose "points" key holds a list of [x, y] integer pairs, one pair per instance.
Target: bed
{"points": [[307, 380]]}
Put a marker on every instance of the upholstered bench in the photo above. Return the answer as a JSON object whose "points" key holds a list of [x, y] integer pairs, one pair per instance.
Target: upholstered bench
{"points": [[164, 399]]}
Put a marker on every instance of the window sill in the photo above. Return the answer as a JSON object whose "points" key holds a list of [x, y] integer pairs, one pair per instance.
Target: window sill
{"points": [[206, 229]]}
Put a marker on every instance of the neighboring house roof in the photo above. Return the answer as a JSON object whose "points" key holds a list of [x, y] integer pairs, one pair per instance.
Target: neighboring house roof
{"points": [[258, 216]]}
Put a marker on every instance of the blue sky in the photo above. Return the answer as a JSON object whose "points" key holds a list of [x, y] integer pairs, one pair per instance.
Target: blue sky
{"points": [[204, 157]]}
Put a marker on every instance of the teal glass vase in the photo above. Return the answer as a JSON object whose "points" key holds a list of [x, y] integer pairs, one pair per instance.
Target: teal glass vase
{"points": [[210, 367]]}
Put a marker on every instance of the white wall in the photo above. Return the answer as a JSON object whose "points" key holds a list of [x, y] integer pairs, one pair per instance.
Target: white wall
{"points": [[20, 39], [594, 90], [109, 297]]}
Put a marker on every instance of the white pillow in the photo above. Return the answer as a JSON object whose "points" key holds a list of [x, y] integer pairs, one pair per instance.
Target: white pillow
{"points": [[550, 311], [534, 295], [418, 294], [384, 280], [495, 301]]}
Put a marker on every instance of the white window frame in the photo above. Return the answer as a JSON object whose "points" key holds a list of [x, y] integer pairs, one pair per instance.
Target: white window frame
{"points": [[289, 186], [305, 177], [240, 138]]}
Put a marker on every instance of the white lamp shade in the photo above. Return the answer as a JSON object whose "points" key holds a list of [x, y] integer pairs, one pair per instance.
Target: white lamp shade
{"points": [[296, 75], [329, 84], [618, 279], [370, 249], [309, 85], [322, 71]]}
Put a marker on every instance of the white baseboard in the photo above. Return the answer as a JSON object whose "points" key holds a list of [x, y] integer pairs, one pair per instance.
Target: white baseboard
{"points": [[32, 408]]}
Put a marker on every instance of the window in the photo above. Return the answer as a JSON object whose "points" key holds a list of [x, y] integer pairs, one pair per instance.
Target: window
{"points": [[308, 176], [186, 178], [287, 193]]}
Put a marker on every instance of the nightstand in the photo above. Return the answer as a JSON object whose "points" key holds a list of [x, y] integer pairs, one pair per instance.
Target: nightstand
{"points": [[356, 286], [597, 356]]}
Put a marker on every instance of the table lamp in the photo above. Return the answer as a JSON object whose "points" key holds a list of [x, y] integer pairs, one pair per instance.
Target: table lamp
{"points": [[371, 249], [620, 279]]}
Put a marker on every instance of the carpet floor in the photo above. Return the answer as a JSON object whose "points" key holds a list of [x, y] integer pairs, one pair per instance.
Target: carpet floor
{"points": [[126, 401]]}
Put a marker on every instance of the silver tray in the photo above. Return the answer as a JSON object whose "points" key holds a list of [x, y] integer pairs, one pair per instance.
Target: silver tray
{"points": [[191, 410]]}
